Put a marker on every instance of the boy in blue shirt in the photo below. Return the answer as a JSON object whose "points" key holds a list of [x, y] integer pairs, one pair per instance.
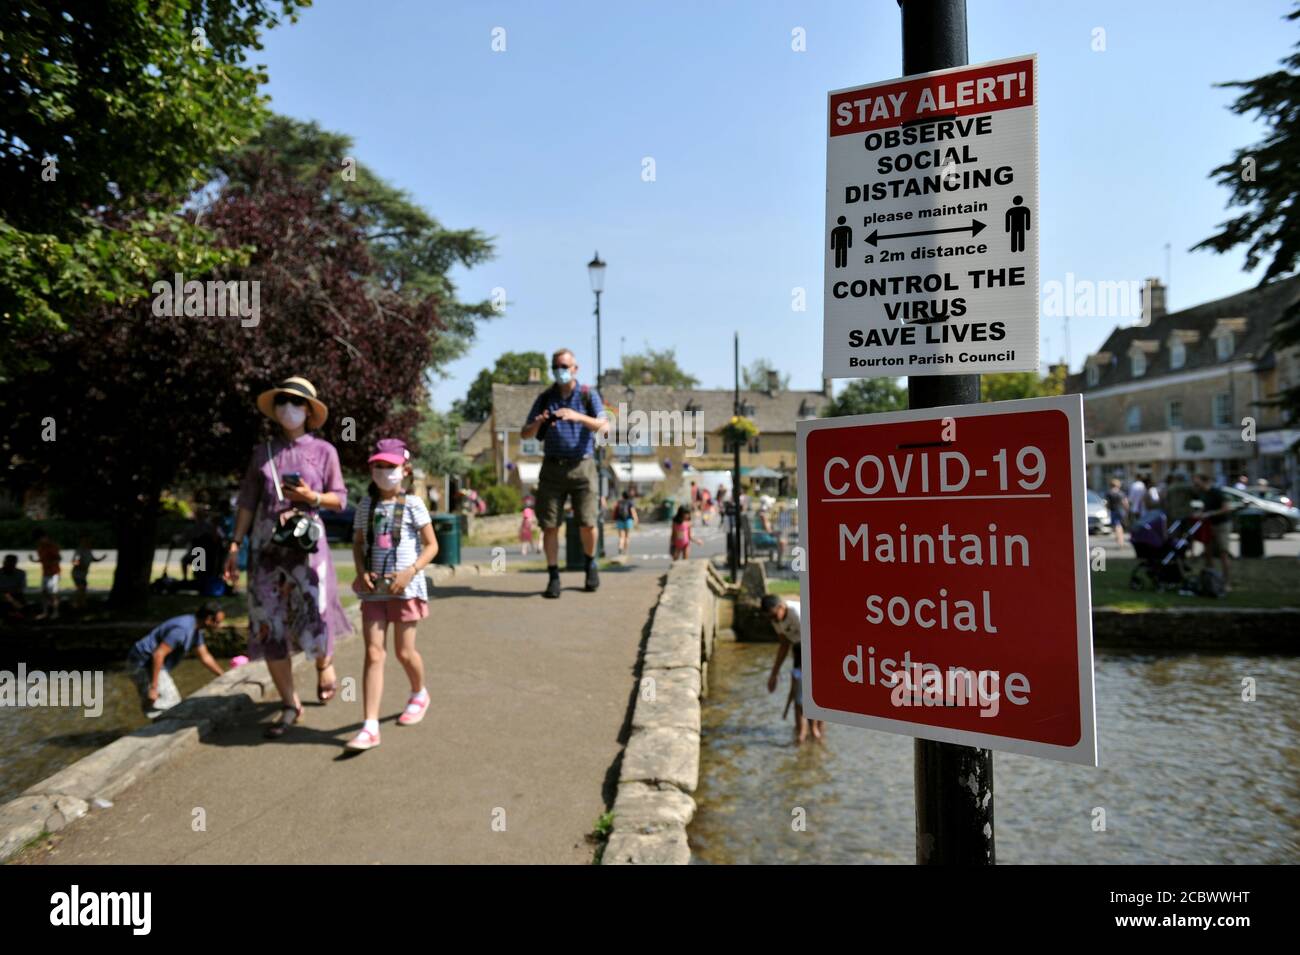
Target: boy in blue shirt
{"points": [[156, 654]]}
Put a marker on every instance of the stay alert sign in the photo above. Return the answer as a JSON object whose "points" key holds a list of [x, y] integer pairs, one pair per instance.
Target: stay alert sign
{"points": [[932, 225], [946, 593]]}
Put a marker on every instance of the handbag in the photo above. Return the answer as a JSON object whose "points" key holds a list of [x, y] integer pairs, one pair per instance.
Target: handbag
{"points": [[298, 530]]}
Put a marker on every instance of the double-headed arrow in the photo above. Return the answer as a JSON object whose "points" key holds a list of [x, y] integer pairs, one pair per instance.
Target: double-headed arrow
{"points": [[975, 228]]}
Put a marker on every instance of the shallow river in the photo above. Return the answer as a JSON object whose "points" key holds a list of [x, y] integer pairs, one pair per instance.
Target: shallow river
{"points": [[36, 742], [1189, 773]]}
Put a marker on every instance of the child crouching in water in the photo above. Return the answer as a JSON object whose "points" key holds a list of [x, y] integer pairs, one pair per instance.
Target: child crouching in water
{"points": [[391, 584], [784, 615]]}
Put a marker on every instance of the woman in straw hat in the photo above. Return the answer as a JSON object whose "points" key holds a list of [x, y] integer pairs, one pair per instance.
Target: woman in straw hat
{"points": [[293, 596]]}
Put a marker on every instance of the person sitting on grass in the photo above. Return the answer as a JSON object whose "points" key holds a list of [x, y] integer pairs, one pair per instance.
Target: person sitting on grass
{"points": [[13, 587], [156, 654], [784, 615]]}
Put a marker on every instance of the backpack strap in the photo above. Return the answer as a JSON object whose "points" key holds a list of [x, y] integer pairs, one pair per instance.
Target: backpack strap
{"points": [[398, 513]]}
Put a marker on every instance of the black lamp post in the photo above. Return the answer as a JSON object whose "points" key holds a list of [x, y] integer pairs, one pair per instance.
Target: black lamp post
{"points": [[596, 270]]}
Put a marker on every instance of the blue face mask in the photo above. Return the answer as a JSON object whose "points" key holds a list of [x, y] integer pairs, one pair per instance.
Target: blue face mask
{"points": [[563, 376]]}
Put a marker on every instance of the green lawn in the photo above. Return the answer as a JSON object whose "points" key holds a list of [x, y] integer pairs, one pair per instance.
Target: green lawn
{"points": [[1266, 582], [1270, 582]]}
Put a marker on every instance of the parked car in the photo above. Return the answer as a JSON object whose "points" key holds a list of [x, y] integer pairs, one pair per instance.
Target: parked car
{"points": [[1098, 515], [1279, 519], [1270, 494], [338, 524]]}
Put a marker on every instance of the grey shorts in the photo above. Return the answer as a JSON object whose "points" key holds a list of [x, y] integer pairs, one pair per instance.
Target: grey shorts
{"points": [[168, 695], [560, 479]]}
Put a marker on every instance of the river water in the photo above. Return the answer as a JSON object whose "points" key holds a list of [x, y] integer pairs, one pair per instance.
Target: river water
{"points": [[36, 742], [1189, 773]]}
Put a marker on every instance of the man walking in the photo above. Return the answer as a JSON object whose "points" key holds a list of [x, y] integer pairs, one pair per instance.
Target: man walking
{"points": [[566, 417], [1218, 511]]}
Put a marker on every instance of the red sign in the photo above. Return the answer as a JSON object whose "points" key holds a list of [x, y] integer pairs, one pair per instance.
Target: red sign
{"points": [[1005, 84], [946, 591]]}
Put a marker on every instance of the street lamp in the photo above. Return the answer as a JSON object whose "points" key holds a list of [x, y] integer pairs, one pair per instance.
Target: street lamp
{"points": [[596, 271]]}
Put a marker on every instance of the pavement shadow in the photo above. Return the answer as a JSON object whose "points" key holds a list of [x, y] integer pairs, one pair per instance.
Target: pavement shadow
{"points": [[480, 592], [250, 730]]}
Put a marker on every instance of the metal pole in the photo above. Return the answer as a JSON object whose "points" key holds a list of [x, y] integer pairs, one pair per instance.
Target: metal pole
{"points": [[735, 472], [954, 784], [600, 455]]}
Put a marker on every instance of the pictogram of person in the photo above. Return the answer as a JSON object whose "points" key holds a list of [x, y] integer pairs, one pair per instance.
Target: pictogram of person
{"points": [[841, 242], [1017, 224]]}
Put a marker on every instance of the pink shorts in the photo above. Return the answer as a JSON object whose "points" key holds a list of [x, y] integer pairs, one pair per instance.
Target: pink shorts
{"points": [[385, 612]]}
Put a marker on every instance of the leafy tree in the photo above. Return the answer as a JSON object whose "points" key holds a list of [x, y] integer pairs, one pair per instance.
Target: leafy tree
{"points": [[1262, 180], [139, 399], [512, 368], [412, 252], [868, 396], [1010, 385], [754, 378], [112, 111], [438, 444], [653, 367]]}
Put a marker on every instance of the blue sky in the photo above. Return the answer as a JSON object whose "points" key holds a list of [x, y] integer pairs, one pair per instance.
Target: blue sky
{"points": [[542, 147]]}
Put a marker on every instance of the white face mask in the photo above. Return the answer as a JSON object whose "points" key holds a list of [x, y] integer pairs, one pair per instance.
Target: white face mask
{"points": [[387, 479], [291, 416]]}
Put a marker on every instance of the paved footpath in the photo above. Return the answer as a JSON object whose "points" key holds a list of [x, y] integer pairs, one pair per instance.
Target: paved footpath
{"points": [[529, 700]]}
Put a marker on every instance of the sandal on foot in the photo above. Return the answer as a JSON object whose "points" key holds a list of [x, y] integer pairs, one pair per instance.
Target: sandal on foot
{"points": [[278, 729], [414, 712], [362, 741], [325, 691]]}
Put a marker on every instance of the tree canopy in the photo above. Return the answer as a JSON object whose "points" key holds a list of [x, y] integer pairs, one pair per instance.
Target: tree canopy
{"points": [[1263, 180], [868, 396], [512, 368], [138, 398], [1010, 385], [655, 367], [112, 112], [754, 377]]}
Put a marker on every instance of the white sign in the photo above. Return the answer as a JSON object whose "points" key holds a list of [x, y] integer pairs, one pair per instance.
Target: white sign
{"points": [[1125, 448], [1211, 445], [932, 224]]}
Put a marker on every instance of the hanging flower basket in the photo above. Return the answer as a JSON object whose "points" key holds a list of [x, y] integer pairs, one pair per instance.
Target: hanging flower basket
{"points": [[739, 430]]}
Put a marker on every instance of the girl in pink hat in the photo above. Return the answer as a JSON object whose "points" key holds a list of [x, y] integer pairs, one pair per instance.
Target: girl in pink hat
{"points": [[392, 543]]}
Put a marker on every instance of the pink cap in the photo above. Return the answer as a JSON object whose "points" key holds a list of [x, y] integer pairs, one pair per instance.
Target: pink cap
{"points": [[390, 451]]}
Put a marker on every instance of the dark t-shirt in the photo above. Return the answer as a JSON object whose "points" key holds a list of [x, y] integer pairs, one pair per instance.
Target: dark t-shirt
{"points": [[1213, 499], [1115, 499]]}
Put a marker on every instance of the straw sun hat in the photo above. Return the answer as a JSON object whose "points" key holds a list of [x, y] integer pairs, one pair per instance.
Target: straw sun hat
{"points": [[301, 388]]}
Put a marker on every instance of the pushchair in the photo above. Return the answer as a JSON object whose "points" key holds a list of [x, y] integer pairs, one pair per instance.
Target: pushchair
{"points": [[1163, 551]]}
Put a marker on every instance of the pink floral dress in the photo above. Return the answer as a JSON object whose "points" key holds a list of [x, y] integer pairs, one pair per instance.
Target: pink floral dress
{"points": [[293, 597]]}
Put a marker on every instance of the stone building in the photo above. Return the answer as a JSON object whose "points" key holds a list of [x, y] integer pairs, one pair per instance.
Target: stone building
{"points": [[1189, 391], [667, 437]]}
